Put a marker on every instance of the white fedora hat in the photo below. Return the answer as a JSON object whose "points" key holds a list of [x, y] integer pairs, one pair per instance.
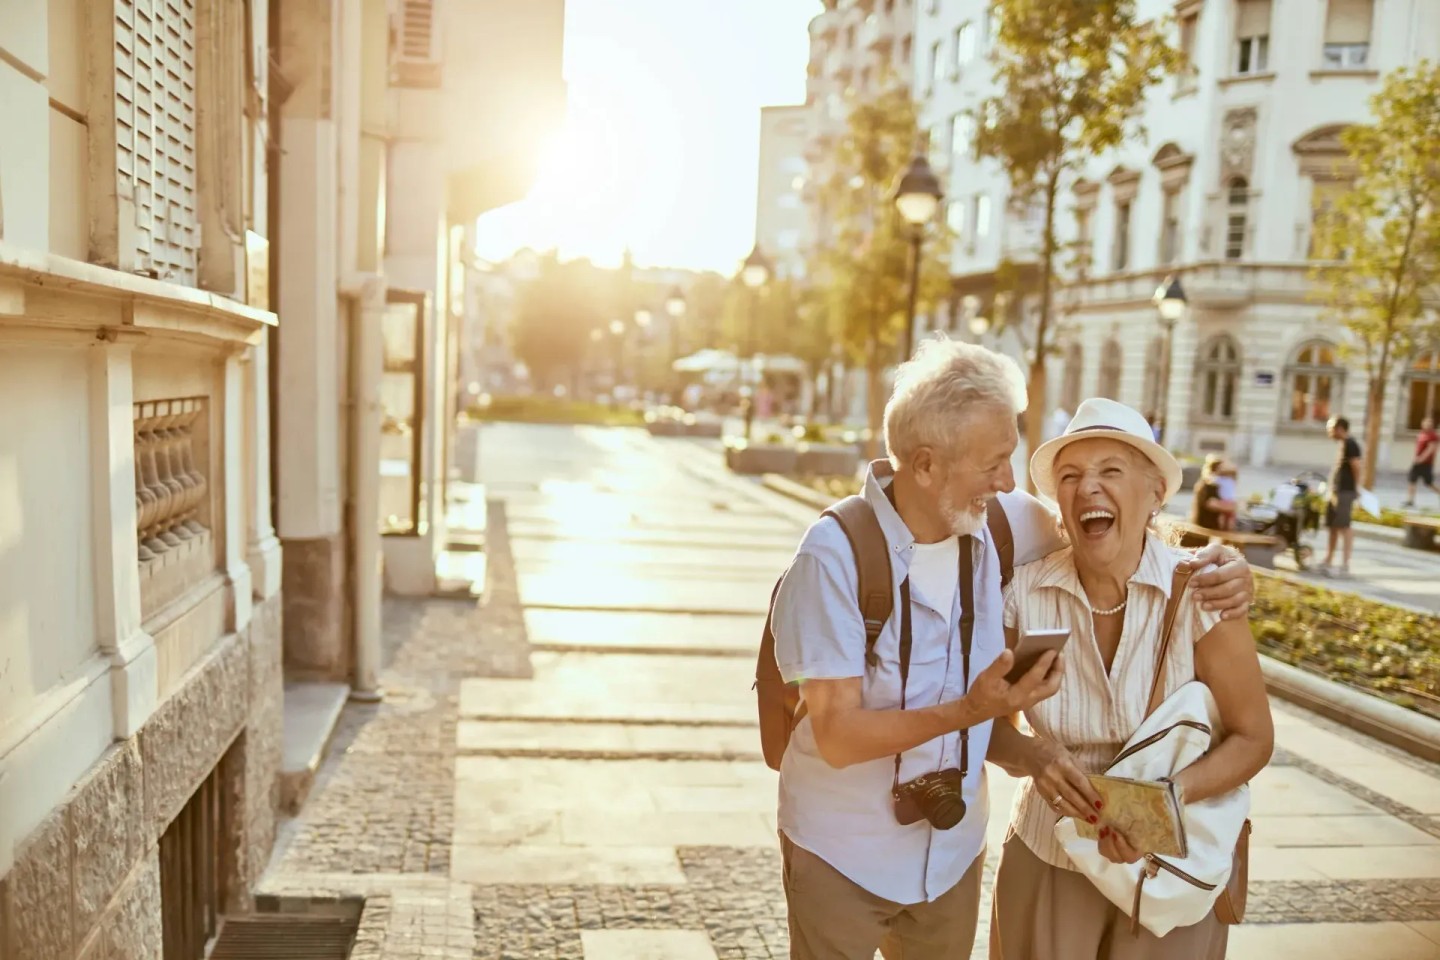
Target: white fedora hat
{"points": [[1099, 418]]}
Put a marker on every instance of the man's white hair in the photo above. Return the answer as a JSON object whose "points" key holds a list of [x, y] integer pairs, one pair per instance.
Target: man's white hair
{"points": [[939, 388]]}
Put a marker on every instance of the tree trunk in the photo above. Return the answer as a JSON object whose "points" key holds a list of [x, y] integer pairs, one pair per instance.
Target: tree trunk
{"points": [[874, 398], [1374, 410], [1035, 422], [1039, 400]]}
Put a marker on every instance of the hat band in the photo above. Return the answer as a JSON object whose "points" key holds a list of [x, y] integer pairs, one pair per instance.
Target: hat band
{"points": [[1090, 429]]}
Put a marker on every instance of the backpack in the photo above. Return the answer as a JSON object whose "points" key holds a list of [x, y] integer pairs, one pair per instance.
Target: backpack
{"points": [[779, 702]]}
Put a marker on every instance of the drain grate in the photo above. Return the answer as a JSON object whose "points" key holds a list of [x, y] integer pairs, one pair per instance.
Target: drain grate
{"points": [[285, 938]]}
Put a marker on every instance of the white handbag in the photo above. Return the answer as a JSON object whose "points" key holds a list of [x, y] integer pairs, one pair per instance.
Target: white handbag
{"points": [[1162, 893]]}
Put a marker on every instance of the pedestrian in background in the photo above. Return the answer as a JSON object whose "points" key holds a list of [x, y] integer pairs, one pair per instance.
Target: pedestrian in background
{"points": [[1344, 488], [1422, 470]]}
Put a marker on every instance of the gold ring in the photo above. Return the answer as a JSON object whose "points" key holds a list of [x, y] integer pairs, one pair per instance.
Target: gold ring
{"points": [[1056, 802]]}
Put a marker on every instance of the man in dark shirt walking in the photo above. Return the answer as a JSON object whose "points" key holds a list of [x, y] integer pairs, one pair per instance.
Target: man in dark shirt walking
{"points": [[1344, 488], [1423, 469]]}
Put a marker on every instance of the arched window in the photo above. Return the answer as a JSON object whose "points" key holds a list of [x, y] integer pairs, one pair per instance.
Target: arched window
{"points": [[1074, 366], [1111, 360], [1422, 391], [1154, 363], [1217, 375], [1315, 381], [1237, 215]]}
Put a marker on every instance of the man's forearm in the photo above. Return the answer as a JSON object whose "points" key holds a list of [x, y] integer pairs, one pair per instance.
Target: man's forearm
{"points": [[1009, 748], [857, 735]]}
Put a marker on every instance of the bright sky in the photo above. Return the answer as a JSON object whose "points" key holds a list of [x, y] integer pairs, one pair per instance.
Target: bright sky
{"points": [[661, 142]]}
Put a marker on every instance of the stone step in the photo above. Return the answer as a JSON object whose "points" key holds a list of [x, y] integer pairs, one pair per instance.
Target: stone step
{"points": [[311, 712]]}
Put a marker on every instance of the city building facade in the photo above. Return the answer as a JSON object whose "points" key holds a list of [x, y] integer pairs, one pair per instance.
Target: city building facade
{"points": [[140, 578], [781, 221], [1241, 153]]}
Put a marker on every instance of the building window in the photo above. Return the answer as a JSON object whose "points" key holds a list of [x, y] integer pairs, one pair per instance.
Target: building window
{"points": [[962, 142], [955, 217], [937, 65], [1218, 374], [989, 27], [1237, 211], [1315, 381], [1422, 390], [1170, 227], [1111, 362], [1189, 25], [865, 78], [1074, 366], [1121, 258], [964, 46], [1347, 34], [906, 47], [1154, 363], [1324, 194], [1252, 36], [934, 7], [850, 37], [982, 216]]}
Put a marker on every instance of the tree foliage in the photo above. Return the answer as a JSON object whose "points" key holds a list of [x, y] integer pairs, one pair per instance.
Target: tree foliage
{"points": [[1383, 235], [1072, 77], [862, 263], [557, 310]]}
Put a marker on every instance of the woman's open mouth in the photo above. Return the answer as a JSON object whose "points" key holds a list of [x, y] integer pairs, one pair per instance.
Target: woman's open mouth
{"points": [[1096, 523]]}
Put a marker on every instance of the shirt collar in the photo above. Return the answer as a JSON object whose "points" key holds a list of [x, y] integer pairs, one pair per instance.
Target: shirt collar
{"points": [[1157, 569], [878, 477]]}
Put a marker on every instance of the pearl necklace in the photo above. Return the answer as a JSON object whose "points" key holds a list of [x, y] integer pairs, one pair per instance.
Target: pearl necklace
{"points": [[1112, 611]]}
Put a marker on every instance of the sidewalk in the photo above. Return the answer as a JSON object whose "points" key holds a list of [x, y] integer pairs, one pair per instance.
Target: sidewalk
{"points": [[570, 769]]}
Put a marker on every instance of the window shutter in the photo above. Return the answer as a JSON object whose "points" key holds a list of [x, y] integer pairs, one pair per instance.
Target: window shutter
{"points": [[417, 44], [1252, 19], [1348, 21]]}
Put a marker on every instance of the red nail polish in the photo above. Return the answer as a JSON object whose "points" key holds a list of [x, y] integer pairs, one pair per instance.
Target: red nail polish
{"points": [[1094, 819], [1099, 804], [1104, 832]]}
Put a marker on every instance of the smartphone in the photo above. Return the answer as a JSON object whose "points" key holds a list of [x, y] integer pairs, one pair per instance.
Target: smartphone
{"points": [[1033, 644]]}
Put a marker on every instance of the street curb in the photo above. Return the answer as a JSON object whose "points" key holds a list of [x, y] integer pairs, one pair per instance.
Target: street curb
{"points": [[1389, 723], [1409, 730], [1375, 531]]}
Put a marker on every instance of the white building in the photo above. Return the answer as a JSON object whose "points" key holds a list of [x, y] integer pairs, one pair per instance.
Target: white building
{"points": [[781, 221], [1241, 151]]}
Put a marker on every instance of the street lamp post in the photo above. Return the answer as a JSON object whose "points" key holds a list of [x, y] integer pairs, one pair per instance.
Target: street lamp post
{"points": [[675, 308], [617, 330], [1170, 302], [917, 197], [754, 273]]}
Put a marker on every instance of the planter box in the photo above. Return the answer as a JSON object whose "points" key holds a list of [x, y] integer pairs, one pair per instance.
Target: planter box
{"points": [[761, 458], [709, 427], [1189, 475], [827, 459], [665, 428]]}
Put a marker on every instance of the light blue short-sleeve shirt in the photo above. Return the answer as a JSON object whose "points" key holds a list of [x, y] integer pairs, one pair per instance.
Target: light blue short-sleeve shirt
{"points": [[846, 816]]}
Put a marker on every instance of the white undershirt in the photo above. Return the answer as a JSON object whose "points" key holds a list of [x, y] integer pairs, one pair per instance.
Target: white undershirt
{"points": [[935, 572]]}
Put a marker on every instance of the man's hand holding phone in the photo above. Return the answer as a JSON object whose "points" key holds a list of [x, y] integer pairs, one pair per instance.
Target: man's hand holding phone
{"points": [[993, 695]]}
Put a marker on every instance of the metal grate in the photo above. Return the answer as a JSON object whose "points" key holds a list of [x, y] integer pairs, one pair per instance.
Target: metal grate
{"points": [[190, 886], [285, 938]]}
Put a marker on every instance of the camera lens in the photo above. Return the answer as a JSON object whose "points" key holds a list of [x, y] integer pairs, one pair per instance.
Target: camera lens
{"points": [[946, 810]]}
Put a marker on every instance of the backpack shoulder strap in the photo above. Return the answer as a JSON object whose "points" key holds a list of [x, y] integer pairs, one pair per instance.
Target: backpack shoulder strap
{"points": [[872, 563], [1003, 538], [1172, 609]]}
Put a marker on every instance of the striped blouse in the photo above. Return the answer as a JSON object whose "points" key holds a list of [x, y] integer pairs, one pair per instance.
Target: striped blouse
{"points": [[1093, 714]]}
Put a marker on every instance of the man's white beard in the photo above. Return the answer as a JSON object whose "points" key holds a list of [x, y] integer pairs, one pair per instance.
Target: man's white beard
{"points": [[963, 523]]}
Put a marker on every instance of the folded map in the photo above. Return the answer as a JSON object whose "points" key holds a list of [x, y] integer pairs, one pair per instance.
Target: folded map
{"points": [[1146, 812]]}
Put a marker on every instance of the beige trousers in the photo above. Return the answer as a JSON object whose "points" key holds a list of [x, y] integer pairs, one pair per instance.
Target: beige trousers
{"points": [[1042, 912], [834, 918]]}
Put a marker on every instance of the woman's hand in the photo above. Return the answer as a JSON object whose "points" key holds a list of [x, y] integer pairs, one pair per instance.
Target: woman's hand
{"points": [[1228, 589], [1061, 782], [1115, 848]]}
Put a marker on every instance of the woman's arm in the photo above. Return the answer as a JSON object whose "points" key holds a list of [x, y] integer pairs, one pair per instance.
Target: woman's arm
{"points": [[1227, 663]]}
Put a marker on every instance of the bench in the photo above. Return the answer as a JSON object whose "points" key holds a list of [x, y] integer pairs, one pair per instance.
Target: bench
{"points": [[1259, 549], [1420, 532]]}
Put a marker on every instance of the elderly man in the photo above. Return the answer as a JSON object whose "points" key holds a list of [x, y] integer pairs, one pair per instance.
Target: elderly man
{"points": [[882, 791]]}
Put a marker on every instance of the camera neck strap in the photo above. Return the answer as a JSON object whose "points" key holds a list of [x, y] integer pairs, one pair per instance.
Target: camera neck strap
{"points": [[967, 636]]}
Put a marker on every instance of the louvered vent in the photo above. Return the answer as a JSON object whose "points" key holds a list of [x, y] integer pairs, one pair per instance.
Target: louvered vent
{"points": [[417, 44], [285, 938]]}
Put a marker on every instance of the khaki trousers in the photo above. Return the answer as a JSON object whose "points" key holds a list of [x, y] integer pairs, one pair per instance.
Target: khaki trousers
{"points": [[1042, 912], [834, 918]]}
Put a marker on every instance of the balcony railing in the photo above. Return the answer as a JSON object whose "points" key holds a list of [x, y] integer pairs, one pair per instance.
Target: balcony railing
{"points": [[172, 504]]}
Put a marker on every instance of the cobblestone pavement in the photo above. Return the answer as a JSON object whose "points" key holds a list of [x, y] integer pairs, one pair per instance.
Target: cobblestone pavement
{"points": [[571, 759]]}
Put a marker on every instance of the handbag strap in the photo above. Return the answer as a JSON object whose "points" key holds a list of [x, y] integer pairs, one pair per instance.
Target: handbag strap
{"points": [[1172, 610]]}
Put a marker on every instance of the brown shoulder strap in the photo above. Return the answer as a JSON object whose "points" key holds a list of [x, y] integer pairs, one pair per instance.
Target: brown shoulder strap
{"points": [[1003, 538], [1172, 609]]}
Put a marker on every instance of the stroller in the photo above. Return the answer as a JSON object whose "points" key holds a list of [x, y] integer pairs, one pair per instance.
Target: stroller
{"points": [[1290, 513]]}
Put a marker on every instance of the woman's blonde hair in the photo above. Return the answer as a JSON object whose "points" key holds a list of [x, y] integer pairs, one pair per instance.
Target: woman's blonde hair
{"points": [[938, 388]]}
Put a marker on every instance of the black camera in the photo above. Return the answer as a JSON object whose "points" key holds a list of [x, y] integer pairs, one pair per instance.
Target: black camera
{"points": [[936, 797]]}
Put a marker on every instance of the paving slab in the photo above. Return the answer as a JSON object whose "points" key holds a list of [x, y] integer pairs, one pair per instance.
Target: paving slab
{"points": [[1339, 831], [601, 590], [1288, 791], [533, 863], [605, 739], [1330, 941], [629, 631], [647, 945], [695, 558], [607, 828]]}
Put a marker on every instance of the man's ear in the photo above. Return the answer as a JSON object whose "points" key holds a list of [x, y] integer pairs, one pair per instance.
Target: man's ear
{"points": [[924, 466]]}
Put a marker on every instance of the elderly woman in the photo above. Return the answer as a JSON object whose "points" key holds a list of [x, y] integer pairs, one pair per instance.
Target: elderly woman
{"points": [[1110, 588]]}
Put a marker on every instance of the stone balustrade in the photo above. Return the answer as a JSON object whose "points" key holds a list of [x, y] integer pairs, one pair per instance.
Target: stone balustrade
{"points": [[172, 507]]}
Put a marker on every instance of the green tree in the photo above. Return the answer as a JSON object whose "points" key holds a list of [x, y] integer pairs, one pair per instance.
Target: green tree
{"points": [[557, 310], [1382, 237], [1072, 77], [863, 262]]}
